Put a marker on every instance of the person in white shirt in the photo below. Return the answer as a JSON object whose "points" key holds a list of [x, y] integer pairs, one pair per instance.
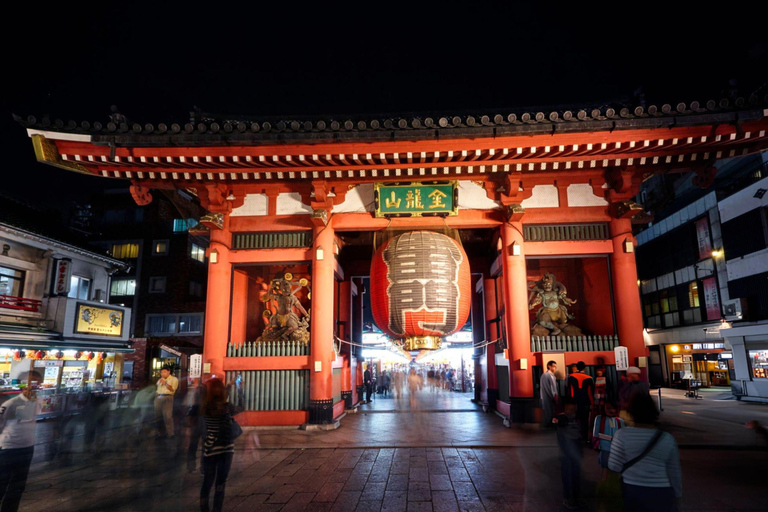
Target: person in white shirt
{"points": [[18, 422], [548, 389], [167, 385]]}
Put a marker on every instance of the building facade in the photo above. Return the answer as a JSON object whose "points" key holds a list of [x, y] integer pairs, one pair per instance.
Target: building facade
{"points": [[543, 204]]}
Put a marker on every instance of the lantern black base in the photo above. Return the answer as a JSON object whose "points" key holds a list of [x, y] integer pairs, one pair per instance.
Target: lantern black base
{"points": [[360, 393], [347, 397], [321, 412], [493, 395]]}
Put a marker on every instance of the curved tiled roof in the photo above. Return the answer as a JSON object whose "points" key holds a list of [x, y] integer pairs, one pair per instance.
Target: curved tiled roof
{"points": [[213, 129]]}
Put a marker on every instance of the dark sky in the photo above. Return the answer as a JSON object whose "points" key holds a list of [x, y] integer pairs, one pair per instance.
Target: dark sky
{"points": [[155, 62]]}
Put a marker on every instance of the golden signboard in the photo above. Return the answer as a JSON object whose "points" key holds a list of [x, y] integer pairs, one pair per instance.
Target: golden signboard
{"points": [[98, 321]]}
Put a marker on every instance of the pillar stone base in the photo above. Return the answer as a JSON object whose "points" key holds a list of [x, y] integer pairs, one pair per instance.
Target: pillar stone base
{"points": [[360, 392], [321, 412], [493, 395]]}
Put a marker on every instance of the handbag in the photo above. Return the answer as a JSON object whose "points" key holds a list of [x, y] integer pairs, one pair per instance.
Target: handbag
{"points": [[596, 439], [234, 428]]}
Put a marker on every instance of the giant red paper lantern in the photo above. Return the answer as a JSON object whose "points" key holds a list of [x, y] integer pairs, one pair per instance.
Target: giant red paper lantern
{"points": [[420, 288]]}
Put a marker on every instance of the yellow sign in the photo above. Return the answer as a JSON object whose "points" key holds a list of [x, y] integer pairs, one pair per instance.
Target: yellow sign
{"points": [[98, 321]]}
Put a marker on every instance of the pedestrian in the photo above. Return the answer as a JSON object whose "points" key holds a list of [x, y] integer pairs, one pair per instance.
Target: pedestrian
{"points": [[581, 389], [167, 385], [604, 428], [629, 387], [385, 382], [548, 393], [415, 383], [18, 423], [398, 382], [195, 423], [219, 445], [368, 383], [647, 459], [571, 443], [431, 379]]}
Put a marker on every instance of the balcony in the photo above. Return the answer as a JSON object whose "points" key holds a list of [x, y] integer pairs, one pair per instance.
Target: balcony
{"points": [[20, 303]]}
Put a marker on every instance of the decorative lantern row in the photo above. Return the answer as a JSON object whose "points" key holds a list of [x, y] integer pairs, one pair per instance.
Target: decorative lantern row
{"points": [[420, 288]]}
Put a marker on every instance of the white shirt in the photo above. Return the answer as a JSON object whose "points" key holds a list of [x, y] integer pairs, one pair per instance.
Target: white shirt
{"points": [[18, 422], [162, 389]]}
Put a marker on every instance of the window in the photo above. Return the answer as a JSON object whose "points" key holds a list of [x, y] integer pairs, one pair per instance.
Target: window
{"points": [[182, 225], [693, 295], [179, 324], [123, 287], [11, 282], [125, 251], [159, 247], [80, 288], [157, 284], [692, 309], [197, 253], [196, 288]]}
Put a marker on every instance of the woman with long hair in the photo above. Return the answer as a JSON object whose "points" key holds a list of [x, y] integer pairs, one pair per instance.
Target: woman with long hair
{"points": [[219, 445]]}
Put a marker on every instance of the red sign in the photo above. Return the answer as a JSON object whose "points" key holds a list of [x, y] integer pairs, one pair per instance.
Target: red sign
{"points": [[63, 277], [702, 233], [711, 298]]}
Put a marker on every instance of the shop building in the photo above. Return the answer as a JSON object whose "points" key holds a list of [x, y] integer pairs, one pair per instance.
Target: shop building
{"points": [[164, 276], [55, 315], [538, 205]]}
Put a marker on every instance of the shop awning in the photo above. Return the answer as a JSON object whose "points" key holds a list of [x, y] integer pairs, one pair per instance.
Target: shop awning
{"points": [[20, 338]]}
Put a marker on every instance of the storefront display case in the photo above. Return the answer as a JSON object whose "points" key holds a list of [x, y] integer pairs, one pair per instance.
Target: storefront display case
{"points": [[758, 359]]}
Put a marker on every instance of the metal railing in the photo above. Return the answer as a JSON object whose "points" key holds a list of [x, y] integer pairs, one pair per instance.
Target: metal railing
{"points": [[573, 343], [20, 303], [268, 349], [271, 390], [562, 232], [273, 240]]}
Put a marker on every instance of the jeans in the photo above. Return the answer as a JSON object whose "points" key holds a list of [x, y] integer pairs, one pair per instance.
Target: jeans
{"points": [[14, 469], [164, 413], [215, 467], [368, 392], [196, 433], [570, 467], [648, 499]]}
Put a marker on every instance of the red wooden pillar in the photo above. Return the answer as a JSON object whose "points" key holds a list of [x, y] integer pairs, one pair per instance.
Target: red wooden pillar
{"points": [[516, 318], [321, 327], [345, 311], [490, 377], [629, 319], [218, 300], [356, 336], [239, 308]]}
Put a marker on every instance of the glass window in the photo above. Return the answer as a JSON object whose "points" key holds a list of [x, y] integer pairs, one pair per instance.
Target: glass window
{"points": [[159, 247], [196, 288], [125, 251], [80, 288], [165, 325], [182, 225], [197, 253], [123, 287], [758, 360], [157, 284], [693, 295], [189, 323], [11, 282]]}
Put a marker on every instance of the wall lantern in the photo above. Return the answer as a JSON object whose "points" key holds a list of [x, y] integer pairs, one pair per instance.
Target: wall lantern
{"points": [[716, 253], [675, 348], [214, 256], [515, 249], [319, 254], [628, 245]]}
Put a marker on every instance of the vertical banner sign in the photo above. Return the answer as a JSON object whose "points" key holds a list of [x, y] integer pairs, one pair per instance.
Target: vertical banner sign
{"points": [[196, 366], [622, 358], [702, 234], [711, 299], [63, 278]]}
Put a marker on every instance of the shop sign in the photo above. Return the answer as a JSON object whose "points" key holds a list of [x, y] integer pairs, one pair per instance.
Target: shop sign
{"points": [[48, 364], [416, 199], [702, 233], [196, 366], [98, 321], [711, 299], [170, 350], [622, 358], [63, 279]]}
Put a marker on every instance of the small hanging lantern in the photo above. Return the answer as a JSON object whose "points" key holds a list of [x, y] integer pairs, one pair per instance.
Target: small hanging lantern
{"points": [[59, 355], [91, 355], [78, 354], [40, 354]]}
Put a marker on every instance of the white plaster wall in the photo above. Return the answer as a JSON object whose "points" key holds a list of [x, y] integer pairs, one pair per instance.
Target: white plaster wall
{"points": [[253, 205], [544, 196], [291, 204], [357, 200], [581, 194], [472, 196]]}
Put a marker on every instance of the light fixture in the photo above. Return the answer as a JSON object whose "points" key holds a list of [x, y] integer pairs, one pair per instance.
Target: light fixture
{"points": [[628, 245], [675, 348], [214, 256], [319, 255], [716, 253], [515, 249], [231, 197], [638, 282]]}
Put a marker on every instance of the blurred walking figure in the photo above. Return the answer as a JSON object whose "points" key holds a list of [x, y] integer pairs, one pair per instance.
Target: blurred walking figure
{"points": [[581, 390], [385, 383], [629, 387], [368, 383], [18, 423], [548, 391], [571, 442], [219, 445], [647, 459], [415, 383], [167, 385], [398, 379], [195, 423]]}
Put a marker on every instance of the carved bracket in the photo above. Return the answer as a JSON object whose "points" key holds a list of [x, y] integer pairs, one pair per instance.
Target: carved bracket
{"points": [[514, 212], [320, 217], [213, 220], [625, 209], [141, 195]]}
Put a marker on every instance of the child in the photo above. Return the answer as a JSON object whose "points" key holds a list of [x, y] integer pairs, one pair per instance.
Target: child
{"points": [[571, 443], [605, 426]]}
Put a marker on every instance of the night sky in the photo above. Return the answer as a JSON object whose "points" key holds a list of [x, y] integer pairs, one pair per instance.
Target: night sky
{"points": [[156, 62]]}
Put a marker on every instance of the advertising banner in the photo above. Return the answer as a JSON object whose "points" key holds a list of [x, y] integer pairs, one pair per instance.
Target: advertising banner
{"points": [[196, 366], [622, 358], [98, 320], [702, 234], [63, 278], [711, 298]]}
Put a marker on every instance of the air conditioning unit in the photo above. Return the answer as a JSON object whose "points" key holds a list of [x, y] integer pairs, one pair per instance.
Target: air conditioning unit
{"points": [[734, 309]]}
